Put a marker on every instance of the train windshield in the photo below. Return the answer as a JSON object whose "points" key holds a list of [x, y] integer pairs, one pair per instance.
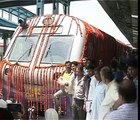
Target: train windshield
{"points": [[23, 48], [58, 49]]}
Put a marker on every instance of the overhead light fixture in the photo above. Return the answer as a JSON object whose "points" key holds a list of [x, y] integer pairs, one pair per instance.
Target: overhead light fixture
{"points": [[118, 7], [134, 16]]}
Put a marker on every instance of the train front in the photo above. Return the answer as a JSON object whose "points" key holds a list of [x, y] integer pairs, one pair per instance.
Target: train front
{"points": [[35, 59]]}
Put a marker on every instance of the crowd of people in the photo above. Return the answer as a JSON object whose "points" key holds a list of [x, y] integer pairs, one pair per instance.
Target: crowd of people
{"points": [[100, 92], [97, 91]]}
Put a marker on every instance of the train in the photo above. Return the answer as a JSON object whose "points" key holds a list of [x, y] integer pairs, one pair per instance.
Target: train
{"points": [[37, 52]]}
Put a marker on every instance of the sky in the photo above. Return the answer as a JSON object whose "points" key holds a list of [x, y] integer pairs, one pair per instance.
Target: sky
{"points": [[92, 12]]}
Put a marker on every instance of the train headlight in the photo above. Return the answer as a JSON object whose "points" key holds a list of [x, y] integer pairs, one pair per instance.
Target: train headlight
{"points": [[48, 21]]}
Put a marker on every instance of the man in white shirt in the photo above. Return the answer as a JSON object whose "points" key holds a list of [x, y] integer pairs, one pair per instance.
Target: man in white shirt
{"points": [[111, 94], [99, 95], [91, 91]]}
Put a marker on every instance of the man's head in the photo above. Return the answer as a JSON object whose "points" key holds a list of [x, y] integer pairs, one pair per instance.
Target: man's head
{"points": [[74, 65], [79, 70], [132, 69], [97, 74], [106, 74], [90, 70], [68, 66], [100, 63], [127, 91], [84, 60]]}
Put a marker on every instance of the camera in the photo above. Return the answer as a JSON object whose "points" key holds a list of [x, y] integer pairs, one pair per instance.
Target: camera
{"points": [[14, 107]]}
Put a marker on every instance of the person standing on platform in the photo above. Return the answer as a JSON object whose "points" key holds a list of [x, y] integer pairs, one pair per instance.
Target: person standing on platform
{"points": [[63, 80], [111, 93], [84, 62], [133, 72], [79, 94], [98, 96], [71, 88], [91, 91]]}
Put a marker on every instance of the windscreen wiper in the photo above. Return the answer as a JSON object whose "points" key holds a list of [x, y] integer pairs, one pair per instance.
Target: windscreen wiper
{"points": [[28, 50], [48, 51]]}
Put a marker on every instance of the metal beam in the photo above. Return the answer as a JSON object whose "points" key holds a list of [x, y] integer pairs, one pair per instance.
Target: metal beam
{"points": [[19, 12], [13, 3], [120, 12], [6, 23]]}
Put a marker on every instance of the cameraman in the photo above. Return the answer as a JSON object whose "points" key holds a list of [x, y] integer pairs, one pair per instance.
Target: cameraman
{"points": [[17, 109], [5, 114]]}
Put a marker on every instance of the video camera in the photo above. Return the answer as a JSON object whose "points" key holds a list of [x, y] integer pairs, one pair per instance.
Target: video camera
{"points": [[14, 107]]}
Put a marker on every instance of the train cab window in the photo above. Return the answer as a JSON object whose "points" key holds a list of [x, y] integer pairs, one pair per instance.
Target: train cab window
{"points": [[23, 49], [58, 49]]}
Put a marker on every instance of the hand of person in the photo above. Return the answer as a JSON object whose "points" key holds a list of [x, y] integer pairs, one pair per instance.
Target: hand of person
{"points": [[73, 105], [86, 77], [117, 104], [84, 107], [60, 81]]}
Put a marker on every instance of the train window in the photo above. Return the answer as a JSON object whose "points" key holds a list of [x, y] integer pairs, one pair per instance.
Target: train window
{"points": [[58, 49], [23, 49]]}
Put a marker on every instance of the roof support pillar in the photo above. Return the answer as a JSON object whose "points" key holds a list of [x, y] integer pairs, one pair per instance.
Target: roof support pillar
{"points": [[66, 9], [55, 7], [5, 37], [40, 7]]}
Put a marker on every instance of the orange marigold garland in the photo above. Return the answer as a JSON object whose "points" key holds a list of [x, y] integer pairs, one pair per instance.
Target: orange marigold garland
{"points": [[43, 91], [1, 75], [9, 81], [41, 87], [15, 81], [46, 89]]}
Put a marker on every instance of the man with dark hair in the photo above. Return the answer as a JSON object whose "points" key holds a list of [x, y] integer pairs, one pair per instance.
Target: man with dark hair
{"points": [[63, 80], [91, 90], [79, 95], [97, 97], [100, 63], [128, 109], [133, 73], [84, 62]]}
